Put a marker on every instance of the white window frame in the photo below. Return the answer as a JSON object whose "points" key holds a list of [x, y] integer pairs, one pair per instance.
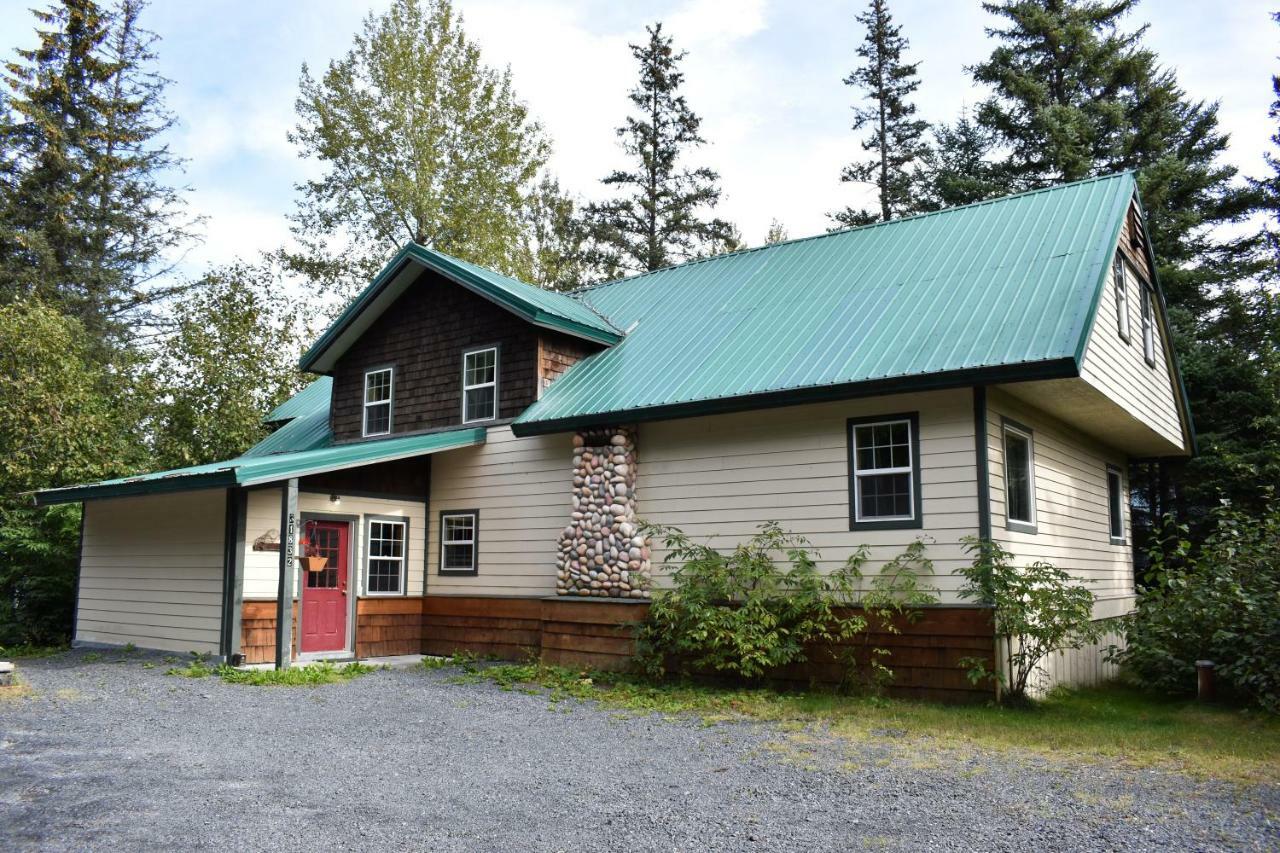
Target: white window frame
{"points": [[1009, 428], [860, 473], [403, 559], [468, 388], [389, 402], [1148, 326], [474, 542], [1120, 274], [1115, 513]]}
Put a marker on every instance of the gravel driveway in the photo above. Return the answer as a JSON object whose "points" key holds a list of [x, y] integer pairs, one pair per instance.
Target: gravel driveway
{"points": [[118, 756]]}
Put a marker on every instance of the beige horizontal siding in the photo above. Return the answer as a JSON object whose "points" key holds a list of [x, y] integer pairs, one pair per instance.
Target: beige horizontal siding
{"points": [[719, 478], [262, 514], [521, 488], [1120, 371], [151, 571], [1073, 529]]}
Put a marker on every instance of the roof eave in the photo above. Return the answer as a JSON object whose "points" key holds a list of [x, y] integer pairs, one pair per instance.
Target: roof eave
{"points": [[223, 478], [1057, 368]]}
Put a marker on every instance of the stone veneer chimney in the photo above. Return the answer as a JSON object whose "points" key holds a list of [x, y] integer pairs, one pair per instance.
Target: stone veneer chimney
{"points": [[603, 554]]}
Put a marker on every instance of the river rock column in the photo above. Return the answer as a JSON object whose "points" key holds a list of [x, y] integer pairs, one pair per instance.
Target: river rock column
{"points": [[603, 554]]}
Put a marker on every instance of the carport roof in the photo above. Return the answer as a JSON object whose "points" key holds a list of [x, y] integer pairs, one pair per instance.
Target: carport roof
{"points": [[257, 470]]}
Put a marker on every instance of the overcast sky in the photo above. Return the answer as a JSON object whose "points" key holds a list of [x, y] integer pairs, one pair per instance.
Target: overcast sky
{"points": [[764, 76]]}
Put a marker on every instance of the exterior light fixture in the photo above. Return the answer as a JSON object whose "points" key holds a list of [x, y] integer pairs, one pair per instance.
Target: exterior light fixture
{"points": [[336, 500]]}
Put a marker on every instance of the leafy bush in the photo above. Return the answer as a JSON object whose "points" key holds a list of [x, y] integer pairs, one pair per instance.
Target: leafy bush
{"points": [[894, 594], [1220, 602], [1039, 609], [743, 614]]}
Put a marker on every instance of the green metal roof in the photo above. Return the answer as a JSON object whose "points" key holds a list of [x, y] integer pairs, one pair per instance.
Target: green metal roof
{"points": [[540, 307], [256, 470], [303, 402], [995, 291]]}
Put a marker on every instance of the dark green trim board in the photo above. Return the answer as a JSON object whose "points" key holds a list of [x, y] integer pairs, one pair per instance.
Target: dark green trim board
{"points": [[983, 467], [232, 572], [1061, 368], [75, 604], [178, 483], [917, 508], [1118, 216]]}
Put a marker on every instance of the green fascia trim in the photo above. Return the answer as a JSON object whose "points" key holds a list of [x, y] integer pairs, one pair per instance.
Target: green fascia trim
{"points": [[258, 470], [1118, 215], [1060, 368], [465, 278]]}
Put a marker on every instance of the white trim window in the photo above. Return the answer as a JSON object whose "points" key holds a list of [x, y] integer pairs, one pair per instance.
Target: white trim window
{"points": [[883, 472], [459, 534], [1148, 328], [1121, 279], [1019, 478], [1115, 505], [379, 389], [480, 385], [385, 546]]}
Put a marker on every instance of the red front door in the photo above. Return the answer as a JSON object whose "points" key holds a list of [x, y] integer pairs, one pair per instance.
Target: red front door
{"points": [[324, 593]]}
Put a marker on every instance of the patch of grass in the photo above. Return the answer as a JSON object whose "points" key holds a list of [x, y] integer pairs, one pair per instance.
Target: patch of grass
{"points": [[1110, 724], [198, 668], [311, 675], [26, 650], [16, 691], [92, 657]]}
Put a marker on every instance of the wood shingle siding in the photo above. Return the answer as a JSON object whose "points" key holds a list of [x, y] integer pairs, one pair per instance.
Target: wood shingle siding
{"points": [[521, 487], [719, 478], [1073, 530], [423, 336], [151, 571], [1120, 371]]}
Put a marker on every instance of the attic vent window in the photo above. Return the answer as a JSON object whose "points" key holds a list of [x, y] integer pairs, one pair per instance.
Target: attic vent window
{"points": [[480, 385], [379, 386]]}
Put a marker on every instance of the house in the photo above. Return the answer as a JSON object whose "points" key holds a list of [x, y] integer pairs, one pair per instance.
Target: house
{"points": [[475, 454]]}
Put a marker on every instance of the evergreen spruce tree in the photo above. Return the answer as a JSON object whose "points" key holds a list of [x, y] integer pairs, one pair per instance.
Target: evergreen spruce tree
{"points": [[661, 217], [87, 221], [896, 141], [958, 167]]}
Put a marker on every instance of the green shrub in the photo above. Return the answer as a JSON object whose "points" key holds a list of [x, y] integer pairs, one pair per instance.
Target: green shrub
{"points": [[1039, 609], [743, 614], [1218, 602]]}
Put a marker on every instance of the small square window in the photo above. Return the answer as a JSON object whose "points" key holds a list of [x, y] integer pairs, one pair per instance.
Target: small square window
{"points": [[1019, 478], [885, 472], [458, 541], [379, 387], [480, 385]]}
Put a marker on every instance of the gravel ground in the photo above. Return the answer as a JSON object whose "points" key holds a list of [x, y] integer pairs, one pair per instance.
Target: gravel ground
{"points": [[118, 756]]}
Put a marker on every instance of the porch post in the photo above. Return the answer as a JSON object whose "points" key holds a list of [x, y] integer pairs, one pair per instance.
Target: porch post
{"points": [[233, 573], [284, 596]]}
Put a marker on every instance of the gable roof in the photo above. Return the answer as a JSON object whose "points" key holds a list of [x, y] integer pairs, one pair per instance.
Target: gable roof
{"points": [[546, 308], [1001, 290]]}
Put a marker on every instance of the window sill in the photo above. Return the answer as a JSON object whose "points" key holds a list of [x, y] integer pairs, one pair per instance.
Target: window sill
{"points": [[1118, 540], [887, 524], [384, 594], [1020, 526], [457, 572]]}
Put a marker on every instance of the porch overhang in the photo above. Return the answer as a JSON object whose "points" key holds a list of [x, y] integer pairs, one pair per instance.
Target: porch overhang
{"points": [[258, 470]]}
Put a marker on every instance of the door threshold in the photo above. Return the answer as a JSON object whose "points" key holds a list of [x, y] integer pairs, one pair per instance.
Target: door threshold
{"points": [[318, 657]]}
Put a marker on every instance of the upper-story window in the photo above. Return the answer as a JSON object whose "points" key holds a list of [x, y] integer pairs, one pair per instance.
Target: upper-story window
{"points": [[1115, 505], [1019, 478], [480, 385], [1148, 328], [885, 469], [1121, 279], [379, 390]]}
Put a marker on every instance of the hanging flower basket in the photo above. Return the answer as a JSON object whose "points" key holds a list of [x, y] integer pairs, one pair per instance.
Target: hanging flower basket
{"points": [[314, 564]]}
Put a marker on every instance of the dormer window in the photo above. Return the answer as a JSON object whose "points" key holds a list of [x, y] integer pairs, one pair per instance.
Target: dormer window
{"points": [[480, 385], [379, 389]]}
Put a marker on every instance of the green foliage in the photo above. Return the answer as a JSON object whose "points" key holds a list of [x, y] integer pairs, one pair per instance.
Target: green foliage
{"points": [[418, 140], [1219, 601], [660, 220], [958, 167], [311, 675], [28, 651], [86, 220], [1039, 609], [232, 358], [741, 613], [894, 594], [896, 140]]}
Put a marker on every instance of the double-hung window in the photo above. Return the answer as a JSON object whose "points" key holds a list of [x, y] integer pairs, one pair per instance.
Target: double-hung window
{"points": [[1019, 478], [1148, 328], [1120, 277], [385, 542], [1115, 505], [884, 467], [379, 389], [459, 538], [480, 385]]}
